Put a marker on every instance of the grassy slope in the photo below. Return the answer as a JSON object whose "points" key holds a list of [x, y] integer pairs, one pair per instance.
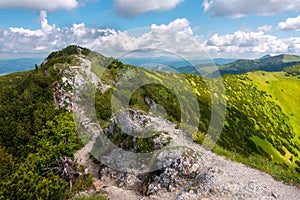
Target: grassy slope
{"points": [[285, 91], [268, 147], [290, 58]]}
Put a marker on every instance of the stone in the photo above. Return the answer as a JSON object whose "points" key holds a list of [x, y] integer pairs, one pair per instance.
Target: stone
{"points": [[96, 185]]}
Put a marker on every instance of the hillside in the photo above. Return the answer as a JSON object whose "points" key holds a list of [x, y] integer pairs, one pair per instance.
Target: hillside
{"points": [[270, 64], [79, 98], [215, 67], [284, 90], [34, 133]]}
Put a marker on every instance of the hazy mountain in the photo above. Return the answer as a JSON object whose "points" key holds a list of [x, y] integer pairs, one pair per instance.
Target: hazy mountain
{"points": [[270, 64], [18, 65], [174, 62], [266, 63], [265, 57], [225, 66]]}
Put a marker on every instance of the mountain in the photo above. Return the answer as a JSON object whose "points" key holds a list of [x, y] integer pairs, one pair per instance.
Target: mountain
{"points": [[146, 131], [174, 62], [17, 65], [207, 68], [270, 64], [264, 57], [223, 61], [265, 63]]}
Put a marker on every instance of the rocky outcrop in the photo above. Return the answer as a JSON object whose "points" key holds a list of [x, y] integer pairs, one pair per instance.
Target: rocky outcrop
{"points": [[63, 92], [155, 108], [191, 172]]}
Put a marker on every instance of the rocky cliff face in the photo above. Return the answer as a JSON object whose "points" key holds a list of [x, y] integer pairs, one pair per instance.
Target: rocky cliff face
{"points": [[184, 170]]}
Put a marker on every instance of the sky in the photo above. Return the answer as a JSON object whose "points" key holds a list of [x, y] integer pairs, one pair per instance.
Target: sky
{"points": [[189, 28]]}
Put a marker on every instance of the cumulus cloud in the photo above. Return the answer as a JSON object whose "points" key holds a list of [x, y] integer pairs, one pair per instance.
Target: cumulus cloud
{"points": [[176, 36], [266, 28], [45, 28], [132, 8], [290, 24], [25, 32], [49, 5], [240, 8], [179, 25], [249, 42], [40, 48]]}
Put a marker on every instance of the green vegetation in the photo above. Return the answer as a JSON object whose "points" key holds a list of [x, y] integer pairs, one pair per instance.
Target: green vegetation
{"points": [[33, 133], [270, 64], [84, 182], [261, 127], [277, 170], [256, 126], [292, 71], [284, 91]]}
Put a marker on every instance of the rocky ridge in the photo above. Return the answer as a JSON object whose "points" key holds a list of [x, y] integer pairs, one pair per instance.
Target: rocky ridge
{"points": [[187, 172], [193, 172]]}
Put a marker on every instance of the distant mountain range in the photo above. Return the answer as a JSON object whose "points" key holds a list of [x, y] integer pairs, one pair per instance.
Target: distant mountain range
{"points": [[156, 63], [205, 67], [265, 56], [267, 63], [174, 62], [216, 67], [16, 65]]}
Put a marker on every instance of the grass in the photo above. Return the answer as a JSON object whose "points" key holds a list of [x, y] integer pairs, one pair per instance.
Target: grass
{"points": [[268, 148], [278, 171], [97, 68], [82, 183], [278, 167], [285, 91], [249, 112], [290, 58]]}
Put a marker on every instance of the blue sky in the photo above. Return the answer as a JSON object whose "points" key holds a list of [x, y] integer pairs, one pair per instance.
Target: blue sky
{"points": [[220, 28]]}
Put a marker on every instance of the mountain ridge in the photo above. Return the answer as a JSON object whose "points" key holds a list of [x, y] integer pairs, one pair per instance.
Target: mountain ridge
{"points": [[225, 66], [37, 127]]}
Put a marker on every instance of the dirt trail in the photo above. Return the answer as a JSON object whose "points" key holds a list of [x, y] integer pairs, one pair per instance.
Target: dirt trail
{"points": [[232, 180]]}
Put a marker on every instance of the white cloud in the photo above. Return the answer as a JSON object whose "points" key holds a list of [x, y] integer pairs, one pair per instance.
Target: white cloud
{"points": [[26, 32], [247, 42], [49, 5], [266, 28], [46, 28], [179, 25], [290, 24], [132, 8], [40, 48], [79, 29], [240, 8], [176, 36]]}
